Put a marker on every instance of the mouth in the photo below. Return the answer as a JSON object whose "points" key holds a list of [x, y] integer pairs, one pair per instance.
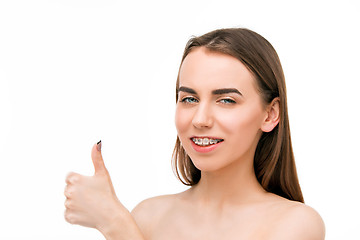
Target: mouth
{"points": [[205, 141]]}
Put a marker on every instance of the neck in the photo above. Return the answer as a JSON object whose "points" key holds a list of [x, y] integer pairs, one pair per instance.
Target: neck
{"points": [[234, 184]]}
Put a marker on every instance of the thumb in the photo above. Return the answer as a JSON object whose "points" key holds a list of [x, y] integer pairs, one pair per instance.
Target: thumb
{"points": [[97, 159]]}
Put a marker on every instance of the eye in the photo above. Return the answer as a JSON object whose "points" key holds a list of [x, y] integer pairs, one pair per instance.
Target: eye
{"points": [[189, 100], [227, 101]]}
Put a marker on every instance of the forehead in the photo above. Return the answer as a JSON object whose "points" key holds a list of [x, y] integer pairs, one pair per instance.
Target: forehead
{"points": [[207, 70]]}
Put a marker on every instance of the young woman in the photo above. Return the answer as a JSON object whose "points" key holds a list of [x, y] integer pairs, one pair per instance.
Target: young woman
{"points": [[233, 149]]}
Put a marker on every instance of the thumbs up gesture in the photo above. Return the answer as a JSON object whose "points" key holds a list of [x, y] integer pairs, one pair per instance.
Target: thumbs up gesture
{"points": [[91, 200]]}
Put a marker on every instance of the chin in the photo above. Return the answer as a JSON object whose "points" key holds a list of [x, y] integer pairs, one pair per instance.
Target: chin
{"points": [[207, 165]]}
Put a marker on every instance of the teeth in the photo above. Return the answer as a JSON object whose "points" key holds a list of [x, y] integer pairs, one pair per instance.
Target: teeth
{"points": [[205, 141]]}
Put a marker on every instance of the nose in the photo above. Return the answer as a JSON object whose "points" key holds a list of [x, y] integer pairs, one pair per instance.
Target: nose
{"points": [[203, 117]]}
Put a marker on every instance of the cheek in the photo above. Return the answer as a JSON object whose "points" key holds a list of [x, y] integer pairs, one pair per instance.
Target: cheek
{"points": [[243, 125], [182, 120]]}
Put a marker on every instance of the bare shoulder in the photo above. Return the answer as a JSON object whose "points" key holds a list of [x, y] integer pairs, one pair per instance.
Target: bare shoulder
{"points": [[150, 211], [299, 221]]}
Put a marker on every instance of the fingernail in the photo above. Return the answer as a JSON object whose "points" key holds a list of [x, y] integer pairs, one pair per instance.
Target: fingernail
{"points": [[98, 146]]}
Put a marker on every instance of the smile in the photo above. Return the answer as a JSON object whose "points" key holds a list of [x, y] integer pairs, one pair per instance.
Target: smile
{"points": [[205, 141]]}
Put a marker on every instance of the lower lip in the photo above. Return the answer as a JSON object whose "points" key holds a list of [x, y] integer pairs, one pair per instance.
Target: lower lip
{"points": [[206, 149]]}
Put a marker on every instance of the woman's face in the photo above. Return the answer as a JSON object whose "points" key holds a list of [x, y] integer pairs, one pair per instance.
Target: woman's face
{"points": [[219, 113]]}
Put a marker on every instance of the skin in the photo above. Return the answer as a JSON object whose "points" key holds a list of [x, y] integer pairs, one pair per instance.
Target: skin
{"points": [[228, 202]]}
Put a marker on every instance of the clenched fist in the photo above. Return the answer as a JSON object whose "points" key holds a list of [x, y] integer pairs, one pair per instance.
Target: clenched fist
{"points": [[91, 200]]}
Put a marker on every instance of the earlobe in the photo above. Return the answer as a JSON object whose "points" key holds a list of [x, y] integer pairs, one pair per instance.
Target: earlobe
{"points": [[273, 116]]}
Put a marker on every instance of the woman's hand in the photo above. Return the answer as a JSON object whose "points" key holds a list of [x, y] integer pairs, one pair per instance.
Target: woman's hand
{"points": [[91, 202]]}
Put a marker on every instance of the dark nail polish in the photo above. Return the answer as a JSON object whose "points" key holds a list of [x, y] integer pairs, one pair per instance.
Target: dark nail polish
{"points": [[98, 146]]}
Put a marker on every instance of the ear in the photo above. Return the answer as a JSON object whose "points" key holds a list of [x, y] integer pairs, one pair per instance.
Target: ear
{"points": [[272, 116]]}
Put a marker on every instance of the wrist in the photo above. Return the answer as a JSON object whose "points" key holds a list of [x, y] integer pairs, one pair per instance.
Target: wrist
{"points": [[121, 226]]}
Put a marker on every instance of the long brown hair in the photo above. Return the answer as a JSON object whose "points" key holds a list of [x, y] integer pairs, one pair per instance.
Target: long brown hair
{"points": [[274, 162]]}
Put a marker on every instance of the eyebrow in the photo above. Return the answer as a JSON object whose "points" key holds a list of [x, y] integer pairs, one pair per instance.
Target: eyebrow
{"points": [[186, 89], [225, 90], [214, 92]]}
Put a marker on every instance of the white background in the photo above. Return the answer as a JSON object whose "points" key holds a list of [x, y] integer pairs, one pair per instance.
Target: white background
{"points": [[73, 72]]}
